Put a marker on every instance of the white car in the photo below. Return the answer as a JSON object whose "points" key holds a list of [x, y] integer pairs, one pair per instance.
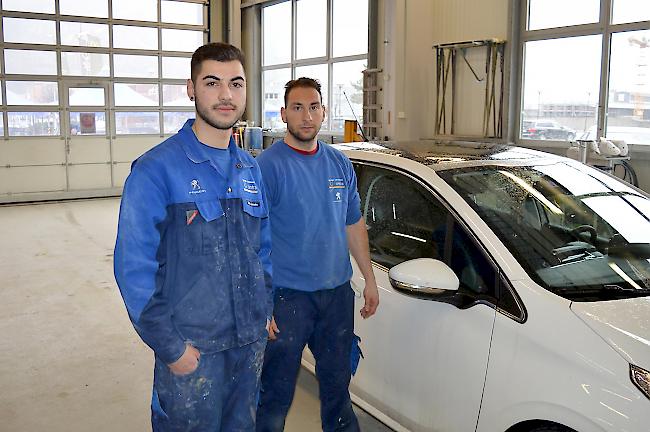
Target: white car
{"points": [[514, 292]]}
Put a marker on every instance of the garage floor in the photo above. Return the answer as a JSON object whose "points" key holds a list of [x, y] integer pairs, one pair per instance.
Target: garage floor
{"points": [[69, 358]]}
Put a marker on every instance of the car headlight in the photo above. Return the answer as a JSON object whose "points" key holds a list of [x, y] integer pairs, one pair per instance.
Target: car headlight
{"points": [[641, 379]]}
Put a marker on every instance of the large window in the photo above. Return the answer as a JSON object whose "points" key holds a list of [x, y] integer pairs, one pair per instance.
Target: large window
{"points": [[97, 67], [586, 70], [322, 39]]}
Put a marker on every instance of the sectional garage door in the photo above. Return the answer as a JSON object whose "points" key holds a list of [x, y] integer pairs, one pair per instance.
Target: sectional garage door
{"points": [[89, 86]]}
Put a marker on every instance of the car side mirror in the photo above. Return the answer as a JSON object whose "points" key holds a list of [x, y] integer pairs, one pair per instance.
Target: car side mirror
{"points": [[424, 277]]}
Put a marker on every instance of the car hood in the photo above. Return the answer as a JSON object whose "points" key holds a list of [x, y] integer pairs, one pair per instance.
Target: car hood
{"points": [[623, 324]]}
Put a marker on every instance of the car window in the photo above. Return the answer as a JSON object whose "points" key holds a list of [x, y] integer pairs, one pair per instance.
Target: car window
{"points": [[405, 221], [475, 272], [574, 234]]}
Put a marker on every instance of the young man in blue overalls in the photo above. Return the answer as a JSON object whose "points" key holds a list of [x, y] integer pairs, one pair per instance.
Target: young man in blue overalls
{"points": [[192, 258]]}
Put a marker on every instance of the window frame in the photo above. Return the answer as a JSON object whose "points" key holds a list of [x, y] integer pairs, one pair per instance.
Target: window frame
{"points": [[603, 27], [294, 62], [65, 81]]}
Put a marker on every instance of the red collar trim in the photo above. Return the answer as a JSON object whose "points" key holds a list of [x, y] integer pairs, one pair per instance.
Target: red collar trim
{"points": [[305, 152]]}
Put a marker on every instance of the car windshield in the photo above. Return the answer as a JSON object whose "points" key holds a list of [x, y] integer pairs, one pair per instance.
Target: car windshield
{"points": [[575, 230]]}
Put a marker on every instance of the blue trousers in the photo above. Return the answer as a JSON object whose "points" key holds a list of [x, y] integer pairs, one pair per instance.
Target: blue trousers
{"points": [[324, 320], [220, 395]]}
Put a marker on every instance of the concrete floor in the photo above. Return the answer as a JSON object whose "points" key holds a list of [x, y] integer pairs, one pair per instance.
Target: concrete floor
{"points": [[69, 357]]}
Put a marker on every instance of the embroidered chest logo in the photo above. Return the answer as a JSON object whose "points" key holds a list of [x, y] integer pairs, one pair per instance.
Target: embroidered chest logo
{"points": [[250, 186], [336, 183], [196, 187]]}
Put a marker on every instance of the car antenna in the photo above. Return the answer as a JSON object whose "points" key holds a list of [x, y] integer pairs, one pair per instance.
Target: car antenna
{"points": [[365, 138]]}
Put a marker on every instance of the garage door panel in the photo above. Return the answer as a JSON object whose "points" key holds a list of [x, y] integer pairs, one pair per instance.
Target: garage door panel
{"points": [[89, 176], [33, 151], [32, 179], [127, 149], [120, 173], [89, 150]]}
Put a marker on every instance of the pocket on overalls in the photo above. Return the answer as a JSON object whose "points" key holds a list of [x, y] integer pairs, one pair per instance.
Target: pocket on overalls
{"points": [[200, 236], [156, 408], [196, 315], [355, 354]]}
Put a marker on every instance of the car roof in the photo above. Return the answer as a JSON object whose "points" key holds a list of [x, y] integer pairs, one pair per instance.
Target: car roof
{"points": [[447, 155]]}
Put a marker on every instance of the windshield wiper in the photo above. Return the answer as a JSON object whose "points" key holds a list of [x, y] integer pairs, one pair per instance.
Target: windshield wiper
{"points": [[606, 291], [614, 287]]}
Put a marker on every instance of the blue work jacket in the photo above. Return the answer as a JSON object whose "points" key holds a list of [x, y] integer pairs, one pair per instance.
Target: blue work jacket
{"points": [[192, 256]]}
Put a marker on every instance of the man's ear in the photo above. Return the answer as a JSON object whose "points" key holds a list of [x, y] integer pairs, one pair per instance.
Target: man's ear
{"points": [[190, 89], [283, 114], [324, 112]]}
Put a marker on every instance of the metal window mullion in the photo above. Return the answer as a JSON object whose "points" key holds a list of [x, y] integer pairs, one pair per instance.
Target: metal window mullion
{"points": [[134, 108], [100, 20], [110, 95], [136, 51], [623, 27], [152, 24], [185, 54], [161, 120], [294, 31], [128, 80], [33, 15], [329, 43], [173, 81], [349, 58], [329, 54], [63, 123], [86, 108], [565, 32], [30, 77], [30, 46], [85, 49], [605, 16], [310, 61], [3, 90], [33, 108], [277, 66]]}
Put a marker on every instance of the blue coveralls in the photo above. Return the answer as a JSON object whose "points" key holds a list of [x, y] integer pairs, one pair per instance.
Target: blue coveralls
{"points": [[192, 261]]}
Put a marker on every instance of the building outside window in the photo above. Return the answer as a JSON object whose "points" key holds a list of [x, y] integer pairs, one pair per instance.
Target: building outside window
{"points": [[322, 39], [585, 70]]}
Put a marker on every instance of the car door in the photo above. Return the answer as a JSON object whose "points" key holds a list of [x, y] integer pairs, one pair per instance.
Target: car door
{"points": [[425, 361]]}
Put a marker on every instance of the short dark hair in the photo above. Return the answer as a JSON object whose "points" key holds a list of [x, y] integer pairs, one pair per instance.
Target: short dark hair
{"points": [[218, 51], [302, 82]]}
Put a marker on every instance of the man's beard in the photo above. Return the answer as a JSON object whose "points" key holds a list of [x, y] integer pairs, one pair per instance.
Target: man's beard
{"points": [[304, 137], [205, 116]]}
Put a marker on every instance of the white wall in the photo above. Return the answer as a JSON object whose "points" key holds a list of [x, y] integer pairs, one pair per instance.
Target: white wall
{"points": [[412, 27]]}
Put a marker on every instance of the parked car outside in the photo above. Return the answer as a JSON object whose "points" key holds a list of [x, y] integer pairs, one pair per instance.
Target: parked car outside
{"points": [[514, 292], [546, 130]]}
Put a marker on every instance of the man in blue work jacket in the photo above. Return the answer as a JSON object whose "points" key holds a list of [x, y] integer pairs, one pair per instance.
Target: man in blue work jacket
{"points": [[192, 258]]}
